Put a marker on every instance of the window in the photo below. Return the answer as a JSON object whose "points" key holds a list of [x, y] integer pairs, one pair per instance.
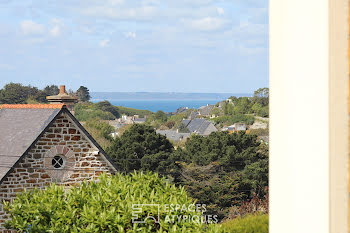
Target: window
{"points": [[58, 161]]}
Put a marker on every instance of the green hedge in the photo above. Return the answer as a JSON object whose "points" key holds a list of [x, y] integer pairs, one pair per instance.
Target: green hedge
{"points": [[104, 206], [231, 119], [247, 224]]}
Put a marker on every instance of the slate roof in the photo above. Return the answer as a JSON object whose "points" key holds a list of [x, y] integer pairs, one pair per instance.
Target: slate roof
{"points": [[22, 125], [186, 122], [140, 120], [173, 134], [196, 125], [193, 115], [205, 110], [19, 127]]}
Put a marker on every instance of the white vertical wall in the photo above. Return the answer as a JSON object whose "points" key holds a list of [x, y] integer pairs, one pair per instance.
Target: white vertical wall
{"points": [[299, 186], [308, 117]]}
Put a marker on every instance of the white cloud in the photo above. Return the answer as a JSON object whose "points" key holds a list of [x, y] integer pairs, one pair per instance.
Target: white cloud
{"points": [[57, 27], [137, 13], [130, 35], [55, 31], [104, 43], [206, 24], [29, 27], [220, 10]]}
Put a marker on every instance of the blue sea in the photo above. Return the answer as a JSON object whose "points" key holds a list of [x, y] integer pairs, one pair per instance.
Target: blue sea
{"points": [[163, 105]]}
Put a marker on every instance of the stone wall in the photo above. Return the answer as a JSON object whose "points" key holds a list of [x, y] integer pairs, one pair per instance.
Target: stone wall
{"points": [[82, 161]]}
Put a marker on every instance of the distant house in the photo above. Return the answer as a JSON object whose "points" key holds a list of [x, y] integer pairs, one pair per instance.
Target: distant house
{"points": [[200, 126], [131, 120], [181, 109], [174, 135], [139, 120], [205, 110], [237, 127], [193, 115]]}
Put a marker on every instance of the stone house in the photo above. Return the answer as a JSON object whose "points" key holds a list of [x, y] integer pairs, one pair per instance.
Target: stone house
{"points": [[205, 110], [44, 143], [174, 135], [200, 126], [237, 127]]}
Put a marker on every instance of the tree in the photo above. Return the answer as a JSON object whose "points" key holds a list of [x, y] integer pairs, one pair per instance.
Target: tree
{"points": [[170, 124], [83, 94], [51, 90], [141, 147], [160, 116], [16, 93], [210, 186], [108, 107], [261, 96], [256, 108]]}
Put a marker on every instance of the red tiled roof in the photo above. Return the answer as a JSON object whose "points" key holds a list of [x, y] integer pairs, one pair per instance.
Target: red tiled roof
{"points": [[34, 106]]}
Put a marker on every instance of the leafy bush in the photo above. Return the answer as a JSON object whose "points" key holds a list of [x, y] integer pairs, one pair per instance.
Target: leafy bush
{"points": [[231, 119], [100, 131], [104, 206], [248, 224], [87, 111], [108, 107]]}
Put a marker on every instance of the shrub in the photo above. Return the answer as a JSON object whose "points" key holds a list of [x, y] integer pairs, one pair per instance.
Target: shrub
{"points": [[104, 206], [100, 131], [107, 107], [231, 119], [248, 224], [87, 111]]}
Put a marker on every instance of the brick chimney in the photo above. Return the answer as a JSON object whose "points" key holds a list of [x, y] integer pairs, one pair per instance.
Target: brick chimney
{"points": [[63, 98]]}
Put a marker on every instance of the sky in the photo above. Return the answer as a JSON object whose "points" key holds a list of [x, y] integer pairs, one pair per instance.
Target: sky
{"points": [[212, 46]]}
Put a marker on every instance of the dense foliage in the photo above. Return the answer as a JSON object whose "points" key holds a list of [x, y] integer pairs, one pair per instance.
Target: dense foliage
{"points": [[83, 94], [220, 170], [231, 119], [100, 131], [259, 104], [132, 111], [103, 110], [104, 206], [249, 224], [225, 169], [141, 147], [16, 93], [88, 111]]}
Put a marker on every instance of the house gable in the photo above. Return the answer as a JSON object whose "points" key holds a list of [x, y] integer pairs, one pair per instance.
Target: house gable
{"points": [[83, 160]]}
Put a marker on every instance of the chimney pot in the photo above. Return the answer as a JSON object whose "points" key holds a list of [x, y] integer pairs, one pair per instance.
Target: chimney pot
{"points": [[62, 89]]}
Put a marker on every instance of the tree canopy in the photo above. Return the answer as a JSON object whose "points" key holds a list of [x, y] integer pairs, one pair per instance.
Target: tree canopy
{"points": [[141, 147], [219, 170], [83, 94]]}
